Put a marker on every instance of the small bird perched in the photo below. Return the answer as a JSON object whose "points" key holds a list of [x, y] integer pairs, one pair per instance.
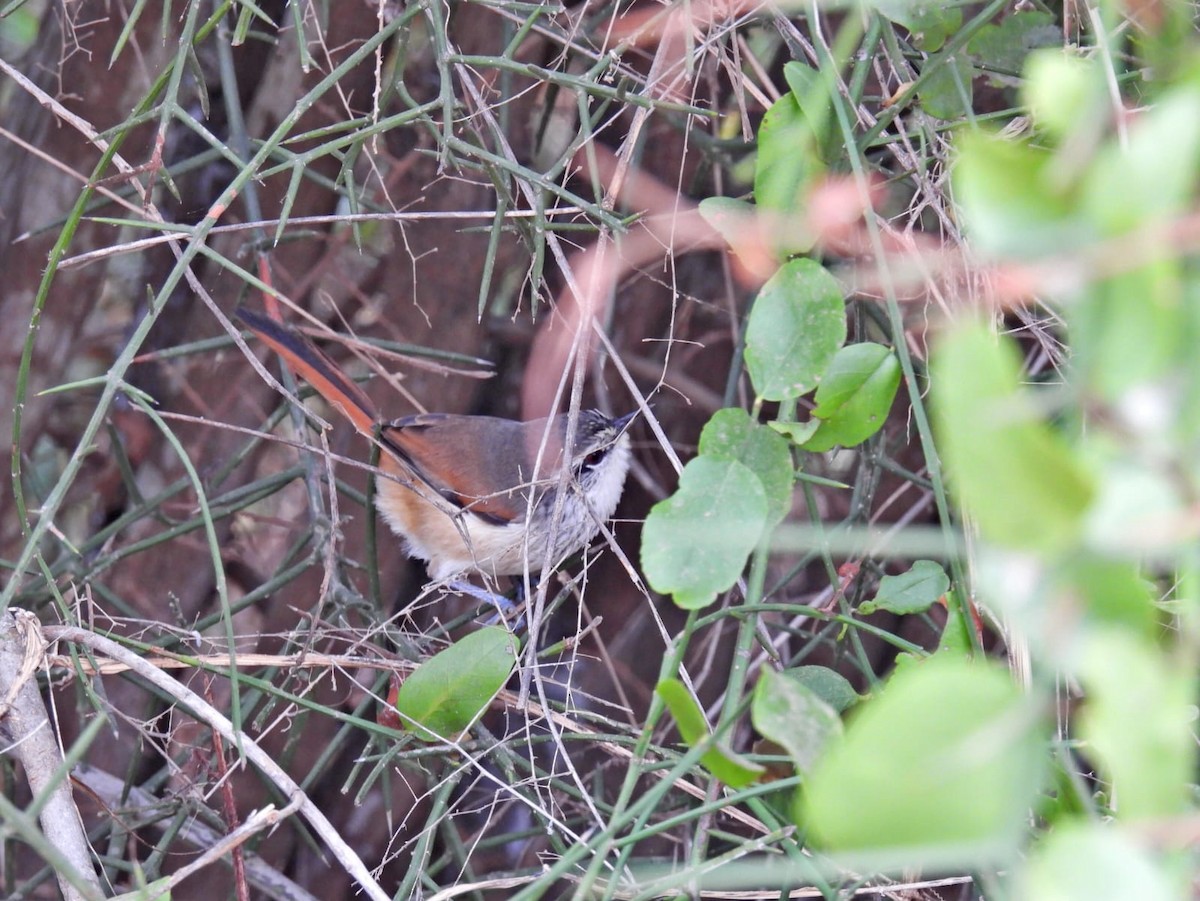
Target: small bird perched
{"points": [[475, 494]]}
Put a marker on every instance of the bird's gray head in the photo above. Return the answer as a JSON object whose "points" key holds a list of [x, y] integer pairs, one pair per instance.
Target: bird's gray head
{"points": [[601, 459]]}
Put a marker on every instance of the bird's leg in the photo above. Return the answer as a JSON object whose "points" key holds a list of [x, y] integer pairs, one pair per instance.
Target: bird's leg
{"points": [[505, 607]]}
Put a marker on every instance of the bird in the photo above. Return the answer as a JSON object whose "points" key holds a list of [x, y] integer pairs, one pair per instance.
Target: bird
{"points": [[475, 495]]}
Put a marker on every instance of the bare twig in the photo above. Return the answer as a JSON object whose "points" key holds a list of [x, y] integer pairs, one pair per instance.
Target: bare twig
{"points": [[204, 711], [29, 737]]}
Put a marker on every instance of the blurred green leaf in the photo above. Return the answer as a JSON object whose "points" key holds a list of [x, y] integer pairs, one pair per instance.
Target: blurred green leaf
{"points": [[449, 691], [950, 751], [1128, 329], [1152, 174], [696, 542], [855, 396], [912, 592], [1138, 509], [793, 716], [731, 768], [1136, 722], [1011, 200], [1113, 591], [1092, 862], [796, 326], [731, 434], [1008, 468], [1062, 90]]}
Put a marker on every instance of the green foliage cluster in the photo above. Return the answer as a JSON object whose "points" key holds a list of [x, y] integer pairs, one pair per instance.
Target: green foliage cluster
{"points": [[1082, 493]]}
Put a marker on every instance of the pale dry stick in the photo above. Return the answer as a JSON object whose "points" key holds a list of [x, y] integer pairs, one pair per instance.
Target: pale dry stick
{"points": [[255, 823], [204, 711], [29, 737], [81, 125], [114, 794], [55, 163]]}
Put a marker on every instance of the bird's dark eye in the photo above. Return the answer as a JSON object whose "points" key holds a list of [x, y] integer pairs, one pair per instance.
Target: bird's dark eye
{"points": [[592, 459]]}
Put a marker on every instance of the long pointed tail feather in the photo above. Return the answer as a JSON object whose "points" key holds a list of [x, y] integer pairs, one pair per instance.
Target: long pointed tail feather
{"points": [[315, 368]]}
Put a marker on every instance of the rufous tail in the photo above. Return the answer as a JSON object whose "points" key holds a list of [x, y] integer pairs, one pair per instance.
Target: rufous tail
{"points": [[315, 368]]}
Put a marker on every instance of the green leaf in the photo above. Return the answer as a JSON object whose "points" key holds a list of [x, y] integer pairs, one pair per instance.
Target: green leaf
{"points": [[929, 22], [828, 685], [1136, 723], [956, 636], [1092, 862], [912, 592], [811, 91], [1008, 468], [855, 396], [787, 158], [1139, 508], [1113, 592], [793, 716], [449, 691], [949, 752], [696, 542], [747, 230], [732, 435], [1002, 48], [947, 92], [1151, 176], [1130, 329], [796, 432], [796, 325], [1011, 201], [731, 768], [1062, 90]]}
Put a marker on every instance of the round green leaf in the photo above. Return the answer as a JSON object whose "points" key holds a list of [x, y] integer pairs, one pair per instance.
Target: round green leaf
{"points": [[797, 324], [912, 592], [949, 752], [447, 692], [731, 434], [728, 766], [790, 714], [855, 396], [695, 543]]}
